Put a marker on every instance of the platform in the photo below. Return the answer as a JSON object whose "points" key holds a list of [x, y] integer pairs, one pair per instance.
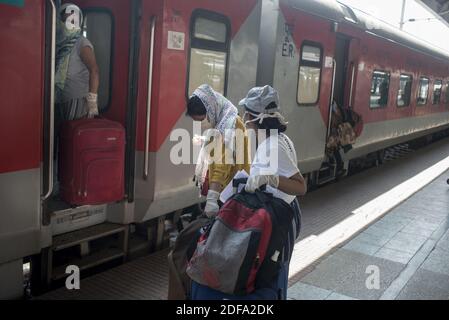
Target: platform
{"points": [[394, 217], [408, 248]]}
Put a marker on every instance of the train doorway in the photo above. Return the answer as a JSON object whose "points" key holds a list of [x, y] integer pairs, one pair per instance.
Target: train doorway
{"points": [[342, 63], [112, 28], [340, 92], [339, 102]]}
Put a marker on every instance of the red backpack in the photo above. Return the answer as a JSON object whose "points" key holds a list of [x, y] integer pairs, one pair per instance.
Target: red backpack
{"points": [[242, 250]]}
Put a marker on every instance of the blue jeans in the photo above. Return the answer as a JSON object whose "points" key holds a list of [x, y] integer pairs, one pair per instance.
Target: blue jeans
{"points": [[277, 292]]}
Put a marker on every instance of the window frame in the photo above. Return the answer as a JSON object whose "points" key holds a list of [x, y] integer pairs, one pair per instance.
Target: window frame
{"points": [[411, 91], [389, 87], [433, 91], [86, 11], [310, 64], [203, 44], [419, 91]]}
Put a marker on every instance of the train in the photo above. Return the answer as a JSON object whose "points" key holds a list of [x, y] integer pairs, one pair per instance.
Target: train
{"points": [[152, 54]]}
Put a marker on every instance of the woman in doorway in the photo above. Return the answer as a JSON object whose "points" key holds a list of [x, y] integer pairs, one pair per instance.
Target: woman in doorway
{"points": [[77, 74]]}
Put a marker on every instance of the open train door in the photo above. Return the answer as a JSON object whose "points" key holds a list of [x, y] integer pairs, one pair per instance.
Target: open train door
{"points": [[345, 63], [345, 66], [112, 27]]}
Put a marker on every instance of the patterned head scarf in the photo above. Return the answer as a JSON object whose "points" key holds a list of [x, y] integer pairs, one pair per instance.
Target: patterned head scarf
{"points": [[222, 115], [65, 41]]}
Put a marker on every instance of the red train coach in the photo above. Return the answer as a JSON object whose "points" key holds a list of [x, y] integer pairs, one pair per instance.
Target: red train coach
{"points": [[323, 50], [152, 54]]}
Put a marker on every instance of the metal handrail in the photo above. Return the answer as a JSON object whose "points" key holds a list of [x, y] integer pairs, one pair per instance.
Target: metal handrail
{"points": [[52, 105], [352, 86], [332, 97], [150, 85]]}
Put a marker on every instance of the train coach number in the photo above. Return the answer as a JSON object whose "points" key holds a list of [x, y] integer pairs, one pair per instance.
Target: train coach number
{"points": [[288, 47]]}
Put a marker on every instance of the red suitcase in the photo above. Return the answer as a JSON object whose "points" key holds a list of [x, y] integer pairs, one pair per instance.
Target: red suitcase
{"points": [[91, 161]]}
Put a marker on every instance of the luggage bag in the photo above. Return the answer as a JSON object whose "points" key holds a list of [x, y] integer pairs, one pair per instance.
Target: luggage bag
{"points": [[91, 161], [239, 258]]}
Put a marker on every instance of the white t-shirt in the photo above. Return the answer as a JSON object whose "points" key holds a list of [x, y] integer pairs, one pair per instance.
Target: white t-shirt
{"points": [[276, 155]]}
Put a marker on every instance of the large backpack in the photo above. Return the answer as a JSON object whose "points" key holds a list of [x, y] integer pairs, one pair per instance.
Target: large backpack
{"points": [[242, 250]]}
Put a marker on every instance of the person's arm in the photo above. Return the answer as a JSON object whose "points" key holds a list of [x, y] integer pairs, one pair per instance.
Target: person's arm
{"points": [[216, 186], [220, 171], [218, 175], [295, 186], [88, 57]]}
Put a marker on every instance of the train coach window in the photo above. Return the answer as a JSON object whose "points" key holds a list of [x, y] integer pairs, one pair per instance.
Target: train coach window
{"points": [[437, 88], [423, 91], [405, 90], [309, 73], [210, 30], [209, 51], [98, 28], [380, 87]]}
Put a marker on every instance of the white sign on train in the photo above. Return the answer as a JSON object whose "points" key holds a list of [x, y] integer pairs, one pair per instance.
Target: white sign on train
{"points": [[176, 40]]}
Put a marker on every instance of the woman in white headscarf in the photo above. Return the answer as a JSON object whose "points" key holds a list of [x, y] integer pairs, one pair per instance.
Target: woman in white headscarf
{"points": [[77, 74], [219, 114]]}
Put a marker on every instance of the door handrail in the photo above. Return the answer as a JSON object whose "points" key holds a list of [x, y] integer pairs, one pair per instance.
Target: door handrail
{"points": [[52, 105], [351, 92], [150, 86], [332, 98]]}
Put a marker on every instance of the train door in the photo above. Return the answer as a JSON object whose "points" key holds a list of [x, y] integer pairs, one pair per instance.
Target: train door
{"points": [[342, 68], [343, 81], [107, 26]]}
